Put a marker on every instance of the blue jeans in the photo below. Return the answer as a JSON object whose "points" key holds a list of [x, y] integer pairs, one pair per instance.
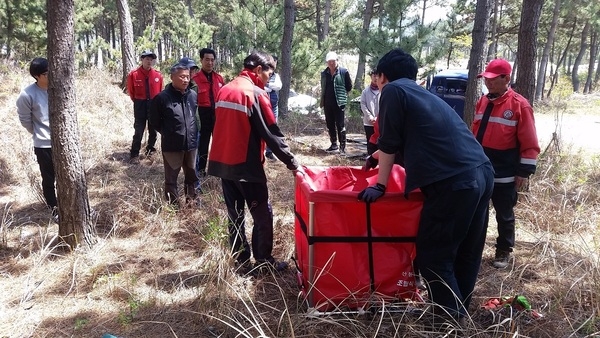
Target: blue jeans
{"points": [[451, 236]]}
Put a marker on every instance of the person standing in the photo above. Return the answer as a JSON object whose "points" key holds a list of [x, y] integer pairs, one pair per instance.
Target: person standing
{"points": [[455, 180], [209, 83], [244, 124], [173, 114], [335, 85], [143, 84], [505, 127], [369, 102], [194, 69], [32, 107], [273, 87]]}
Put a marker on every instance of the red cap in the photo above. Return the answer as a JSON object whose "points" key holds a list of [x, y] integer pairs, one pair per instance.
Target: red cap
{"points": [[496, 68]]}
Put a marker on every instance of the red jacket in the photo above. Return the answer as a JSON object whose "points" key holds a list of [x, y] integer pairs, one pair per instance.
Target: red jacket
{"points": [[244, 122], [204, 87], [510, 139], [136, 83]]}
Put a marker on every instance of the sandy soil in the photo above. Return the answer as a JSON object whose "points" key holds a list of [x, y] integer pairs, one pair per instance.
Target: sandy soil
{"points": [[576, 131]]}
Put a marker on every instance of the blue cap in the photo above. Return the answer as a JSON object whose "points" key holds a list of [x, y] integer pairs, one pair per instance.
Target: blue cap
{"points": [[188, 62]]}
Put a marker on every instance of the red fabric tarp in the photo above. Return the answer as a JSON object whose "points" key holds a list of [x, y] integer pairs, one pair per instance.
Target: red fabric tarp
{"points": [[351, 253]]}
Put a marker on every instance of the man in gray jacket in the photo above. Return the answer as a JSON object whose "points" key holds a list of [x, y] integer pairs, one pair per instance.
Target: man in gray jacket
{"points": [[32, 106]]}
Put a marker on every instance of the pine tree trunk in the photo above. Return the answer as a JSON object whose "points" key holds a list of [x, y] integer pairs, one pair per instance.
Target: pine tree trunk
{"points": [[527, 48], [75, 225], [577, 62], [541, 77], [476, 59], [587, 88], [285, 71], [127, 49], [359, 81]]}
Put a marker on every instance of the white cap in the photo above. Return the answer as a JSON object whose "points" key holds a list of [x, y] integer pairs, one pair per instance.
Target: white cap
{"points": [[331, 56]]}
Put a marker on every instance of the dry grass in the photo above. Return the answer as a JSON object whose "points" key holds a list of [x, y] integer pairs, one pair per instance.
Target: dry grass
{"points": [[156, 272]]}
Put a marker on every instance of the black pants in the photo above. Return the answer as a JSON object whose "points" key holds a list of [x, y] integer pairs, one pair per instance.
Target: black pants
{"points": [[335, 121], [504, 199], [451, 236], [207, 124], [256, 197], [140, 115], [371, 147], [44, 159]]}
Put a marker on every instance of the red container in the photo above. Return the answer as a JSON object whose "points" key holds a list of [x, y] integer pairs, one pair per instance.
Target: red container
{"points": [[353, 254]]}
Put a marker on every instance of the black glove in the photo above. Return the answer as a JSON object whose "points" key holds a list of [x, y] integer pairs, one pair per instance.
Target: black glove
{"points": [[371, 194], [370, 163]]}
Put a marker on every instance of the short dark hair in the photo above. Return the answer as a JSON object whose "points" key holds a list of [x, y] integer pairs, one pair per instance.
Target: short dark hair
{"points": [[397, 64], [38, 66], [177, 67], [204, 51], [257, 58]]}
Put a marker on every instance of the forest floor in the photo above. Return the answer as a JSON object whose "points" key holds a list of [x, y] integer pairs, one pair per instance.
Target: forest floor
{"points": [[158, 272]]}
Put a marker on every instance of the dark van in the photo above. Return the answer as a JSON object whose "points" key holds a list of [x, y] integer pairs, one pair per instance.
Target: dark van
{"points": [[451, 86]]}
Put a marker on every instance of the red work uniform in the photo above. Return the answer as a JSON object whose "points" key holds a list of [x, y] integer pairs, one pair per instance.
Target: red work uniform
{"points": [[509, 140]]}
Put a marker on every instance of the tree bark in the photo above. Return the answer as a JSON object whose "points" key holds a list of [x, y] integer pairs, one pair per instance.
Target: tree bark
{"points": [[285, 71], [527, 48], [541, 77], [75, 225], [597, 76], [493, 48], [362, 55], [562, 59], [587, 88], [577, 62], [476, 58], [127, 49]]}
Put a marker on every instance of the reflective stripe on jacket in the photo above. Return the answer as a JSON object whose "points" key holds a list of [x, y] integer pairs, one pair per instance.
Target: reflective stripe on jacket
{"points": [[510, 139], [244, 122]]}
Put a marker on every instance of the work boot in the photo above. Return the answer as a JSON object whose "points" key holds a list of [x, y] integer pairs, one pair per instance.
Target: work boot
{"points": [[342, 148], [333, 148], [501, 259]]}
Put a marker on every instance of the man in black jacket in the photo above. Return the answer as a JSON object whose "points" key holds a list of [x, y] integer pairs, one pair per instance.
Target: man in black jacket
{"points": [[173, 114]]}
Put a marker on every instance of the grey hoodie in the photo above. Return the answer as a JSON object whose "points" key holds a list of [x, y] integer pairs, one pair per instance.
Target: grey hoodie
{"points": [[32, 106]]}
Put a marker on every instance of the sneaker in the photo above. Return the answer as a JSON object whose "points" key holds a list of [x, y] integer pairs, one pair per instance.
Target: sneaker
{"points": [[270, 156], [332, 148], [501, 259]]}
